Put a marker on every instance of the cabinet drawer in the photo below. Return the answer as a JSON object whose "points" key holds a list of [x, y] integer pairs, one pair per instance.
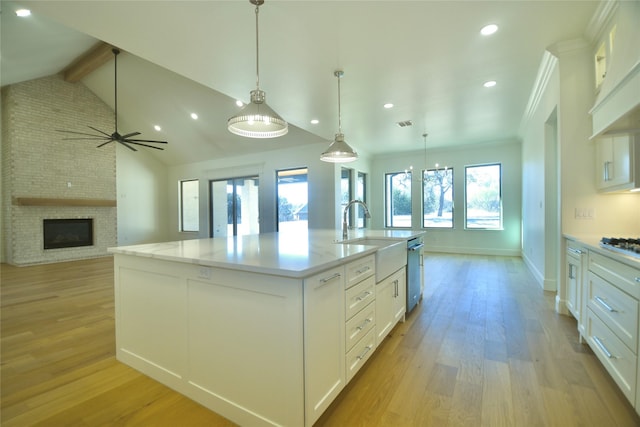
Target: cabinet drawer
{"points": [[617, 359], [359, 354], [360, 269], [360, 325], [359, 296], [622, 275], [617, 309]]}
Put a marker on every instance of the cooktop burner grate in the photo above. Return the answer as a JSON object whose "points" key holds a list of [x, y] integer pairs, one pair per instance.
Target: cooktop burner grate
{"points": [[627, 246]]}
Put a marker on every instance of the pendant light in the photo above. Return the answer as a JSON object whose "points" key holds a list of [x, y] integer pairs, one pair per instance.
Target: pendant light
{"points": [[257, 119], [339, 151]]}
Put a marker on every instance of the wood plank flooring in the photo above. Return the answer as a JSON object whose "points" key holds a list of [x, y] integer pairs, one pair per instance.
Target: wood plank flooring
{"points": [[484, 348]]}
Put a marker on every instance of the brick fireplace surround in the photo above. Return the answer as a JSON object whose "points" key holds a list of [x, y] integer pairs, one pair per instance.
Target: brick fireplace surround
{"points": [[45, 177]]}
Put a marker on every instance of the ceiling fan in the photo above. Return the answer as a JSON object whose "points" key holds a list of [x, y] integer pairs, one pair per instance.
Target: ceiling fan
{"points": [[125, 140]]}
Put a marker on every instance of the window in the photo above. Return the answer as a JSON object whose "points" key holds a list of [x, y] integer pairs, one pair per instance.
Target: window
{"points": [[398, 199], [189, 215], [361, 194], [483, 197], [346, 193], [293, 194], [437, 198], [234, 206]]}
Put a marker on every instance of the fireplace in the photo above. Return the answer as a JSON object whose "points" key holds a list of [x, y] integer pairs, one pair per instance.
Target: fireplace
{"points": [[68, 233]]}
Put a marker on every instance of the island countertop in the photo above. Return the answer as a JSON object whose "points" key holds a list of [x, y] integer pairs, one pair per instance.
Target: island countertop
{"points": [[291, 255]]}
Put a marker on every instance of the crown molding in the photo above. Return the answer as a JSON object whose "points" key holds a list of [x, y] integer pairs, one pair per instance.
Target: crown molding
{"points": [[545, 70], [601, 17]]}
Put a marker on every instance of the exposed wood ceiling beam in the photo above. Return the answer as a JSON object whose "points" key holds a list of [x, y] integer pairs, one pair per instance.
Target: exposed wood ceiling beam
{"points": [[87, 62]]}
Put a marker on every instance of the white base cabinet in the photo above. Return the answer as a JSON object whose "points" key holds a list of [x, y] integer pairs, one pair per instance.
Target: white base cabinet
{"points": [[324, 347], [259, 349], [611, 320], [575, 271], [391, 301]]}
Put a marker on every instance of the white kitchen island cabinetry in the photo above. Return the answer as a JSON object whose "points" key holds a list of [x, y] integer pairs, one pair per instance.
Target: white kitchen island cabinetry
{"points": [[390, 303], [253, 328]]}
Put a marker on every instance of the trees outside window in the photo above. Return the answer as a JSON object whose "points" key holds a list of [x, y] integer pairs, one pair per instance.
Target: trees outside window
{"points": [[483, 197], [293, 198], [398, 200], [437, 198]]}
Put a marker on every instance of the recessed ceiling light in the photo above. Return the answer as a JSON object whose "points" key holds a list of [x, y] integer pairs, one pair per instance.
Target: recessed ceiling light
{"points": [[489, 29], [490, 83], [158, 128], [194, 116], [239, 103], [388, 105], [315, 121], [23, 12]]}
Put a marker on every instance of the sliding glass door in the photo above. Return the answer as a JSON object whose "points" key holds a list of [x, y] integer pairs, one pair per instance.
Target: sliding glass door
{"points": [[234, 207]]}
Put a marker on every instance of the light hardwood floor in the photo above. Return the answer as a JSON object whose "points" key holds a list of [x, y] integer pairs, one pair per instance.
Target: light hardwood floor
{"points": [[484, 348]]}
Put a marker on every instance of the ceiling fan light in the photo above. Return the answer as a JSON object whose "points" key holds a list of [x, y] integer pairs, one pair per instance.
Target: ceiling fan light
{"points": [[339, 151], [257, 119]]}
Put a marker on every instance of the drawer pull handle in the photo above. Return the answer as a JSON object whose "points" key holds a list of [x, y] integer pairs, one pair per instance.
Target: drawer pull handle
{"points": [[605, 305], [365, 269], [364, 324], [603, 347], [364, 353], [637, 279], [327, 279], [575, 251], [363, 296]]}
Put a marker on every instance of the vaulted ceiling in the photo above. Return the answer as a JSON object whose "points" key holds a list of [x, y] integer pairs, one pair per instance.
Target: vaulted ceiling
{"points": [[428, 58]]}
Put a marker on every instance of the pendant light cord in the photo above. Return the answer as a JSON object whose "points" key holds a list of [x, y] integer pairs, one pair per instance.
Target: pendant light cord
{"points": [[257, 52], [339, 74]]}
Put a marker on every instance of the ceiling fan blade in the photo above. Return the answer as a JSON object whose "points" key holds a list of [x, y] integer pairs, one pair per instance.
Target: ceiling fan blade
{"points": [[86, 138], [147, 140], [127, 145], [80, 133], [144, 145], [130, 135], [105, 143], [98, 130]]}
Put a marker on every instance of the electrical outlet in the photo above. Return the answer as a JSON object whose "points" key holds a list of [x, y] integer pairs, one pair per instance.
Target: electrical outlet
{"points": [[585, 213], [204, 273]]}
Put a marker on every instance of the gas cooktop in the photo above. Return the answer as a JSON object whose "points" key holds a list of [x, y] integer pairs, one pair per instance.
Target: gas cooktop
{"points": [[627, 246]]}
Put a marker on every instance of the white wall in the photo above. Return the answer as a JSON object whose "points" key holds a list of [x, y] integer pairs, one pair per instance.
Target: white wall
{"points": [[459, 240], [569, 93], [143, 198], [323, 181]]}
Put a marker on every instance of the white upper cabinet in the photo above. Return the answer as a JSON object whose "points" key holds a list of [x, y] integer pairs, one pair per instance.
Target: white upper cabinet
{"points": [[617, 163]]}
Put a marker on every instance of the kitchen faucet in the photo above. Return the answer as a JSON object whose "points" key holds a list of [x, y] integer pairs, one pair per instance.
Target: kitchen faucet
{"points": [[346, 211]]}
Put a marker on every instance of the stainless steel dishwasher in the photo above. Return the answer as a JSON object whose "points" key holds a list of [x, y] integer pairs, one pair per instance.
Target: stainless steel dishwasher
{"points": [[414, 279]]}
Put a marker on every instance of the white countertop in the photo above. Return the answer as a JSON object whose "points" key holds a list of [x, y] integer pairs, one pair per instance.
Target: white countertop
{"points": [[593, 243], [291, 255]]}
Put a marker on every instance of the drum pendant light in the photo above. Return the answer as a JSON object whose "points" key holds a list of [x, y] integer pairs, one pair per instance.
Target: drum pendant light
{"points": [[339, 151], [257, 119]]}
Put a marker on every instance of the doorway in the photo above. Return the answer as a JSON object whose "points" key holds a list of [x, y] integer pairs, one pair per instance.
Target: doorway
{"points": [[234, 209]]}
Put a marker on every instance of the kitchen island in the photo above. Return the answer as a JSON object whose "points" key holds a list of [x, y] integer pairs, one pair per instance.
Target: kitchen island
{"points": [[264, 329]]}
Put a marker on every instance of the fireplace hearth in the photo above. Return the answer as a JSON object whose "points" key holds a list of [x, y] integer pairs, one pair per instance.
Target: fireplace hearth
{"points": [[67, 233]]}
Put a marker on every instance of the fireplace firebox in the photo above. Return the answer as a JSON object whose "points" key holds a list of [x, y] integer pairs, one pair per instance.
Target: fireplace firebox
{"points": [[68, 232]]}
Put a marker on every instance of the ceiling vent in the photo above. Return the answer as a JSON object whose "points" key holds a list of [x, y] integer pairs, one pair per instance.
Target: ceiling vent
{"points": [[404, 123]]}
